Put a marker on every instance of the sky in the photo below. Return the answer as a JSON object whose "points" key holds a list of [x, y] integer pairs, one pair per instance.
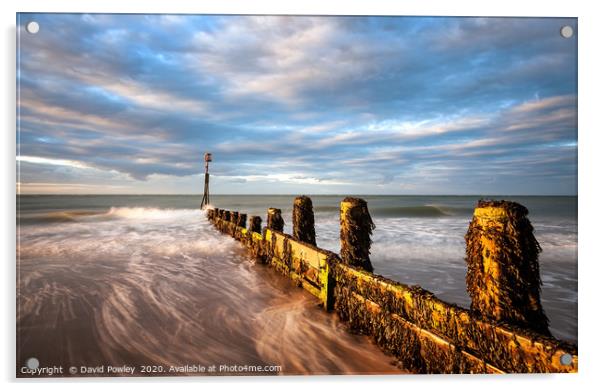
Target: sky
{"points": [[128, 104]]}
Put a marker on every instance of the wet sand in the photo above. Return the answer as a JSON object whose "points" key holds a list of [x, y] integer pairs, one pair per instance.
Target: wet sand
{"points": [[140, 290]]}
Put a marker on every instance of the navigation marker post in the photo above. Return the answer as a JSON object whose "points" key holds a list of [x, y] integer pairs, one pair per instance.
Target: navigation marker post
{"points": [[205, 200]]}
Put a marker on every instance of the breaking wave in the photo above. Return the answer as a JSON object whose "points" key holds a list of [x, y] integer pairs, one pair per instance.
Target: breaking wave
{"points": [[73, 216]]}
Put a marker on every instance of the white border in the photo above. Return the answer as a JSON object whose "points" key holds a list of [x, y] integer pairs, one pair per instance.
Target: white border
{"points": [[590, 66]]}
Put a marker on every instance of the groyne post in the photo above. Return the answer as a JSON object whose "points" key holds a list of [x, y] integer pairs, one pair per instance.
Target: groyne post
{"points": [[217, 215], [503, 278], [275, 221], [356, 229], [255, 224], [303, 220], [242, 220], [234, 221]]}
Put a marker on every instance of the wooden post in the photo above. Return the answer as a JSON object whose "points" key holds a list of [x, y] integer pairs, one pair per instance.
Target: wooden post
{"points": [[303, 220], [242, 220], [356, 229], [233, 219], [275, 221], [503, 278], [226, 215], [255, 224]]}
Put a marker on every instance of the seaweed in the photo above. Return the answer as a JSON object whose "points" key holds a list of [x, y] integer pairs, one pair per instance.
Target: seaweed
{"points": [[258, 251], [492, 342], [242, 220], [268, 246], [356, 229], [303, 220], [510, 289], [255, 224], [301, 271], [395, 334], [275, 221], [287, 257]]}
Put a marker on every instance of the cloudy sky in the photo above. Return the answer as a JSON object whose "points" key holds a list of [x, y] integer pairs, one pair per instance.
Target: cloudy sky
{"points": [[343, 105]]}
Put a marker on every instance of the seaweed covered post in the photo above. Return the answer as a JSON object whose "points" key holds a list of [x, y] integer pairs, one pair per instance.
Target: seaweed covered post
{"points": [[242, 220], [275, 221], [255, 224], [356, 229], [303, 220], [226, 215], [231, 228], [502, 253]]}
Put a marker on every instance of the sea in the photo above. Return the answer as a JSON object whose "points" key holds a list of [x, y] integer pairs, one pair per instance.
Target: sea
{"points": [[145, 280]]}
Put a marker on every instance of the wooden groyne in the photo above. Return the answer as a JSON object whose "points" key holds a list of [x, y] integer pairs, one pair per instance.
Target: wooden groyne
{"points": [[504, 331]]}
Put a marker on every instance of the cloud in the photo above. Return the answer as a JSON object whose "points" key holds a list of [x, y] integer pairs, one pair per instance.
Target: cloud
{"points": [[333, 104], [52, 162]]}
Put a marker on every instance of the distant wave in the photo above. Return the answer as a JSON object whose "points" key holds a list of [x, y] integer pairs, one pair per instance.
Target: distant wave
{"points": [[329, 208], [98, 215], [147, 213], [405, 211], [412, 211], [57, 217]]}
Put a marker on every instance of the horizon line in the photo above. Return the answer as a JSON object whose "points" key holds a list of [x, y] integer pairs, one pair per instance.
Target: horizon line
{"points": [[200, 195]]}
